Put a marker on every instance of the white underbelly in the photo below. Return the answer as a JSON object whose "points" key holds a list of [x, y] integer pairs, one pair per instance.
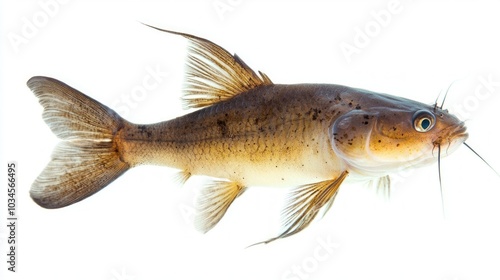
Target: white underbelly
{"points": [[275, 173]]}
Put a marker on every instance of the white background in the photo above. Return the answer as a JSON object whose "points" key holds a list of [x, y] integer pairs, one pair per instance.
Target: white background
{"points": [[139, 228]]}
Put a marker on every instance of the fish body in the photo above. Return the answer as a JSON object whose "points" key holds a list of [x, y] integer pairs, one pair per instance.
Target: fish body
{"points": [[276, 135], [247, 132]]}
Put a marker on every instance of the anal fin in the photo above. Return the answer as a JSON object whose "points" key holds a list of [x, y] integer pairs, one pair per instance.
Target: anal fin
{"points": [[213, 202], [304, 204]]}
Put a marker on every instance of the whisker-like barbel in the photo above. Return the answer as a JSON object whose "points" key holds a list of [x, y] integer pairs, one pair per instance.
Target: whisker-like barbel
{"points": [[485, 162], [440, 181]]}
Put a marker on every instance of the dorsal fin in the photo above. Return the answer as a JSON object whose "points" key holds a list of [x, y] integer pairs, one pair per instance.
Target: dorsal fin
{"points": [[213, 74]]}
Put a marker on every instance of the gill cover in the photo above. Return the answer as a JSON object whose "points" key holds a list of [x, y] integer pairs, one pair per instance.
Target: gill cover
{"points": [[382, 140], [350, 135]]}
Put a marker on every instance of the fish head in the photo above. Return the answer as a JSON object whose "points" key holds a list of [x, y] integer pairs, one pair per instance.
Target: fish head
{"points": [[395, 134]]}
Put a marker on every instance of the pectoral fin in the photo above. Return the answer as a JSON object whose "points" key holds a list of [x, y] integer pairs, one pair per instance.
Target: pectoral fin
{"points": [[213, 202], [382, 186], [304, 204]]}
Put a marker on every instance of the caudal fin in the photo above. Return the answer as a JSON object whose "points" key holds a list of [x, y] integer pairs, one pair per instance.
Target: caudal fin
{"points": [[88, 158]]}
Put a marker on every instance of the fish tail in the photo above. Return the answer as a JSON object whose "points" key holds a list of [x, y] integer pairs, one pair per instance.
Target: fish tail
{"points": [[88, 158]]}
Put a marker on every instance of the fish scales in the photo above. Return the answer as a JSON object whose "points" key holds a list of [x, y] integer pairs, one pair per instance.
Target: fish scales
{"points": [[280, 130]]}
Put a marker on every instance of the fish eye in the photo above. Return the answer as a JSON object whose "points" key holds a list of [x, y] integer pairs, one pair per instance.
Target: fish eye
{"points": [[423, 121]]}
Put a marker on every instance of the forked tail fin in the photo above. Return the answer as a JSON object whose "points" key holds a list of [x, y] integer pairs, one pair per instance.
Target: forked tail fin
{"points": [[88, 158]]}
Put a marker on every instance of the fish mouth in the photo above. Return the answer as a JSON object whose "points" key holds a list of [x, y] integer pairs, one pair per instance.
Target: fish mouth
{"points": [[458, 134], [452, 137]]}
